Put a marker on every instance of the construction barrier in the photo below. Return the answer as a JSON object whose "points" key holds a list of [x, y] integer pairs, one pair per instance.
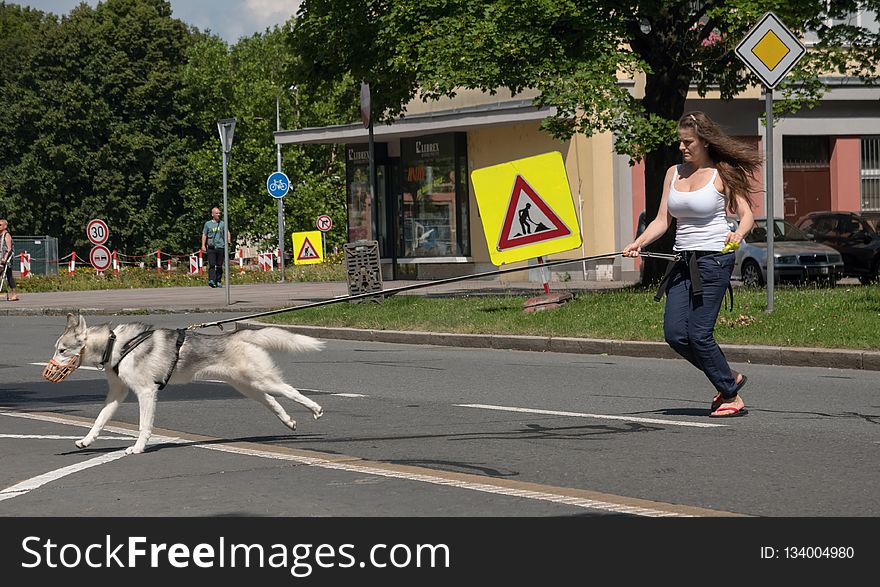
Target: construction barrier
{"points": [[266, 261], [25, 265], [195, 263]]}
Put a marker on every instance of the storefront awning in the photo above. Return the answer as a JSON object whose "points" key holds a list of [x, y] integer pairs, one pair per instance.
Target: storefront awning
{"points": [[457, 120]]}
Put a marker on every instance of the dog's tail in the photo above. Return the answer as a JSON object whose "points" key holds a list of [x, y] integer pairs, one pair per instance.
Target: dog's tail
{"points": [[278, 339]]}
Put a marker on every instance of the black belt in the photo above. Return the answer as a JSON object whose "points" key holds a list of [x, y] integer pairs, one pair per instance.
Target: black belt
{"points": [[689, 259]]}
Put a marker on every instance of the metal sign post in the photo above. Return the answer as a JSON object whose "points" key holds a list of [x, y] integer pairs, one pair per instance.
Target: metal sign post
{"points": [[770, 51], [281, 199], [226, 127]]}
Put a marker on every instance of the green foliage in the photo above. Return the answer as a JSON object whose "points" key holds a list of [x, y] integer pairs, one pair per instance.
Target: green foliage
{"points": [[111, 112]]}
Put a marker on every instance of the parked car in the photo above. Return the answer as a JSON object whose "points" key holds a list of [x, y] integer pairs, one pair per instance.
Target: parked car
{"points": [[873, 219], [852, 236], [796, 257]]}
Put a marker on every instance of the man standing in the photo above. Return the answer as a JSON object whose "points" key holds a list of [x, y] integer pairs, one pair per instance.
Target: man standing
{"points": [[215, 236]]}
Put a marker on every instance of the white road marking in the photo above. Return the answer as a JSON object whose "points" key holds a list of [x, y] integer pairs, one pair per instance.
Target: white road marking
{"points": [[35, 482], [592, 504], [58, 437], [597, 416]]}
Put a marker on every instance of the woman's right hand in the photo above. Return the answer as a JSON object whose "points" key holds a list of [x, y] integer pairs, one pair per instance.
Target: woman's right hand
{"points": [[632, 249]]}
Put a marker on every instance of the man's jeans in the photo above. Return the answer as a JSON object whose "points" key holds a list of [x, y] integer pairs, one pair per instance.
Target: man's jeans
{"points": [[215, 264], [689, 322]]}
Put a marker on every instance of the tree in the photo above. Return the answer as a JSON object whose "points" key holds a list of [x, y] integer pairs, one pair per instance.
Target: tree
{"points": [[98, 131], [573, 52], [244, 82]]}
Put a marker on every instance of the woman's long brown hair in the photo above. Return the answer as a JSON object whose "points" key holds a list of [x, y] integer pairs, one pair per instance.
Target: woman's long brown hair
{"points": [[735, 160]]}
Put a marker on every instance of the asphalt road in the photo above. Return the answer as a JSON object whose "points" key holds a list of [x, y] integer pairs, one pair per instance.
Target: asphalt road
{"points": [[426, 430]]}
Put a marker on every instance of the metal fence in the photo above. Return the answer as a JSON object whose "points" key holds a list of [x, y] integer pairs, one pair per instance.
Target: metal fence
{"points": [[870, 166], [43, 251]]}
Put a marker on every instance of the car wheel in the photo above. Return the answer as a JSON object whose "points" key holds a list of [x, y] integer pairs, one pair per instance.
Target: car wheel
{"points": [[873, 276], [751, 274]]}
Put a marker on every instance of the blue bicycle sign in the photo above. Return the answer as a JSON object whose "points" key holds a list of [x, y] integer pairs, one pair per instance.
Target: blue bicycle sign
{"points": [[278, 185]]}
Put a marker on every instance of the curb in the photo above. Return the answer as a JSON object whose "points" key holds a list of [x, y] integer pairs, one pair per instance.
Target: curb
{"points": [[766, 355]]}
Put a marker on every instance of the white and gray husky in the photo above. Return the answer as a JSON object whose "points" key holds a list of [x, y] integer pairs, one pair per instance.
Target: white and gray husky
{"points": [[142, 359]]}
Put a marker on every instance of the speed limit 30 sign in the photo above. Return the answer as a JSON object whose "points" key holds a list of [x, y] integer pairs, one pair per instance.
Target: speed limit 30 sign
{"points": [[97, 231]]}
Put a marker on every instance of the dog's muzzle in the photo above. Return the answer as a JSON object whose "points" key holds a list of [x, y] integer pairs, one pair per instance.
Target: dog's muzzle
{"points": [[56, 372]]}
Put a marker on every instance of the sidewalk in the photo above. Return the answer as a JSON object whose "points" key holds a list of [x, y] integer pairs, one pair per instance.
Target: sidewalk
{"points": [[252, 299]]}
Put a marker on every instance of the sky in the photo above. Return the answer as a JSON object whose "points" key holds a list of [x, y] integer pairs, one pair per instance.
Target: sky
{"points": [[229, 19]]}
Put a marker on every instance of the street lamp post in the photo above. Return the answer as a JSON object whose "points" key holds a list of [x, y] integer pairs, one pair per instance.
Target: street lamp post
{"points": [[280, 200], [226, 127]]}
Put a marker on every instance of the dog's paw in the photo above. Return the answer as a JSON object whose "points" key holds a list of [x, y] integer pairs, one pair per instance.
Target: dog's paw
{"points": [[318, 413], [134, 450], [82, 443], [291, 424]]}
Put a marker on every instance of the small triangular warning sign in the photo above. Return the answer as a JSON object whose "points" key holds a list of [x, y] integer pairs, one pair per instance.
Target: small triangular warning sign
{"points": [[528, 219], [307, 252]]}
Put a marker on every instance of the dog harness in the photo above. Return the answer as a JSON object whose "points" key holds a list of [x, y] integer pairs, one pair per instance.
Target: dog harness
{"points": [[133, 343]]}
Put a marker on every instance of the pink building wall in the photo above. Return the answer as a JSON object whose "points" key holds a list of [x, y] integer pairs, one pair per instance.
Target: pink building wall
{"points": [[846, 174]]}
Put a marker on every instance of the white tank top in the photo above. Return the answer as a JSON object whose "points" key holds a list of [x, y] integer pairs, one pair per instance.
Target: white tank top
{"points": [[702, 225]]}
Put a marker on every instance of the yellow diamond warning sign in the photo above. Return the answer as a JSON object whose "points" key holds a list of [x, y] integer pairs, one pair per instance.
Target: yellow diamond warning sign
{"points": [[770, 50], [307, 247], [526, 208]]}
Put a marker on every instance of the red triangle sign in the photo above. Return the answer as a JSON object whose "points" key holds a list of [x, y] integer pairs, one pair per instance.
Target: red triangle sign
{"points": [[525, 224], [307, 252]]}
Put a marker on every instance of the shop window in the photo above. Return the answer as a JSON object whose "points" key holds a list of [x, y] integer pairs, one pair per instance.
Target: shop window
{"points": [[434, 197]]}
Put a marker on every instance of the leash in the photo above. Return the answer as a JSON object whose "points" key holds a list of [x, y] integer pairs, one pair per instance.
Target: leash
{"points": [[392, 291]]}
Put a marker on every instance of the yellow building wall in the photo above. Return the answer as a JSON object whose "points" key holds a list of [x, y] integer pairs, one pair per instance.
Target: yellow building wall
{"points": [[589, 166]]}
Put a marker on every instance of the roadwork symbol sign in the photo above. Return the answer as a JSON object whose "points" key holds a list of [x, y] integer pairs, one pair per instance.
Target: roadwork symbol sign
{"points": [[526, 208], [307, 252]]}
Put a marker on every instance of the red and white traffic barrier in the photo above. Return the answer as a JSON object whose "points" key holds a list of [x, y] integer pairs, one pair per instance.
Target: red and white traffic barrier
{"points": [[240, 260], [71, 267], [266, 261], [25, 266], [194, 264], [158, 261], [115, 264]]}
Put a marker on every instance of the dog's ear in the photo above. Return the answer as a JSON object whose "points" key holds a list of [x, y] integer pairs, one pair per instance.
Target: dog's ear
{"points": [[76, 323]]}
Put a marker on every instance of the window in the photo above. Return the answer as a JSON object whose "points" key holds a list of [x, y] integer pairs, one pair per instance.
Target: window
{"points": [[870, 174], [861, 18], [363, 211], [799, 152], [434, 201]]}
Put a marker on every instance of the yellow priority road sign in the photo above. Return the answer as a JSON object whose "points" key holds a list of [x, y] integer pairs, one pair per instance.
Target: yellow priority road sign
{"points": [[526, 208], [770, 50], [308, 248]]}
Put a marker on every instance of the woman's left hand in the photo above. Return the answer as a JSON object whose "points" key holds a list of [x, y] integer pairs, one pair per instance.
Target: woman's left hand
{"points": [[733, 237]]}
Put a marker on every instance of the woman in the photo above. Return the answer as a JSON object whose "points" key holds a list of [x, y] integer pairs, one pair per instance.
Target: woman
{"points": [[711, 182], [6, 259]]}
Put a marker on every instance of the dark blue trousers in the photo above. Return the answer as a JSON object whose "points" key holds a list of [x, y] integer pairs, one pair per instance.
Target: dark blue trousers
{"points": [[689, 321]]}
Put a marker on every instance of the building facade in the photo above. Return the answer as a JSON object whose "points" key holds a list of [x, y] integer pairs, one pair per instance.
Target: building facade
{"points": [[423, 212]]}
